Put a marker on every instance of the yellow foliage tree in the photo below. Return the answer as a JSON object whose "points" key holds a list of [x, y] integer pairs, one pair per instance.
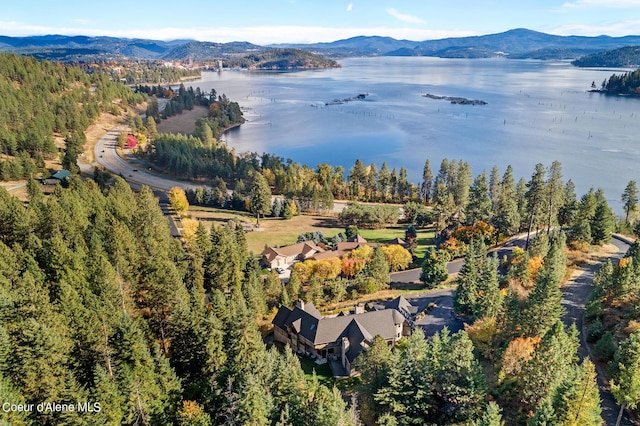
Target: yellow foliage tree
{"points": [[481, 334], [624, 262], [534, 266], [189, 228], [327, 269], [269, 176], [518, 352], [303, 270], [362, 252], [192, 413], [178, 200], [142, 140], [397, 257]]}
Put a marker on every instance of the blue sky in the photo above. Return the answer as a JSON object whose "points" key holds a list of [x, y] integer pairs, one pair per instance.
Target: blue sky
{"points": [[305, 21]]}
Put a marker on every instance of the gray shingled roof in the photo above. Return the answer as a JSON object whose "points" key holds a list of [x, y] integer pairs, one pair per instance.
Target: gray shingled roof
{"points": [[375, 322], [281, 317], [358, 337], [309, 324], [401, 304], [305, 323]]}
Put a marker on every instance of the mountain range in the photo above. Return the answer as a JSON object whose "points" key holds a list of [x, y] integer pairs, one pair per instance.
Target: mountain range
{"points": [[517, 43]]}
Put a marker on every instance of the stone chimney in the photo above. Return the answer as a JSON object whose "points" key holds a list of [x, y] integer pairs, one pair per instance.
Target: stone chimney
{"points": [[359, 309], [300, 304]]}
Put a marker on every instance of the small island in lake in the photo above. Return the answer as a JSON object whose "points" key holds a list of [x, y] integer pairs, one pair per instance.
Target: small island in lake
{"points": [[359, 97], [455, 100]]}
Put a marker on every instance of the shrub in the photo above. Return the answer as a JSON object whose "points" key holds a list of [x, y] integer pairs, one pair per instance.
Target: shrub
{"points": [[595, 331], [367, 285], [605, 348]]}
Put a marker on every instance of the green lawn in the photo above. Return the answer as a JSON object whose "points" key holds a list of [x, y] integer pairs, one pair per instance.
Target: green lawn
{"points": [[280, 232], [425, 240], [323, 372]]}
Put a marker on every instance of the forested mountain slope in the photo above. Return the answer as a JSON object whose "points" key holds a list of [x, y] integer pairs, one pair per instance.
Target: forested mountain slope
{"points": [[42, 99], [100, 304]]}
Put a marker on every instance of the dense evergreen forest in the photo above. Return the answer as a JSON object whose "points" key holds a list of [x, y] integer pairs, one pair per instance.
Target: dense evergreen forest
{"points": [[100, 304], [625, 57], [280, 59], [41, 100], [623, 84]]}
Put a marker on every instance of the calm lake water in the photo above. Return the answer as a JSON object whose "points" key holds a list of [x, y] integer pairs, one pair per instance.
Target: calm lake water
{"points": [[536, 112]]}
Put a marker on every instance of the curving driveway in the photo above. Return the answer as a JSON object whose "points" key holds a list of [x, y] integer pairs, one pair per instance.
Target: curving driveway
{"points": [[453, 267], [132, 171], [575, 295]]}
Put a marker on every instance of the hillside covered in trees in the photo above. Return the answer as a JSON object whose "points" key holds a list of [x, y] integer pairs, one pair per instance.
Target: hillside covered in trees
{"points": [[44, 100], [624, 57], [623, 84], [101, 305], [281, 59]]}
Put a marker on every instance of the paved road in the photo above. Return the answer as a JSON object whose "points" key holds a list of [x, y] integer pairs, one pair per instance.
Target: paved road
{"points": [[453, 267], [574, 297], [442, 313], [133, 171]]}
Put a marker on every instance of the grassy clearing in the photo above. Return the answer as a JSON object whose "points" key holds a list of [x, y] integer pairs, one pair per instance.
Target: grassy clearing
{"points": [[184, 123], [425, 240], [280, 232], [273, 231]]}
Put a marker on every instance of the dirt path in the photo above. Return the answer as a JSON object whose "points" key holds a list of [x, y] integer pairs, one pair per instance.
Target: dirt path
{"points": [[575, 295]]}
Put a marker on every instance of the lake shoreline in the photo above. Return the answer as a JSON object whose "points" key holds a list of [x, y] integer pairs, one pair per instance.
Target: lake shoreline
{"points": [[536, 112]]}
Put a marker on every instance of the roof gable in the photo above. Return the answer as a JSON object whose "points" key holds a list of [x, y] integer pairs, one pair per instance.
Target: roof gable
{"points": [[401, 304], [61, 174], [374, 322], [304, 247], [310, 324]]}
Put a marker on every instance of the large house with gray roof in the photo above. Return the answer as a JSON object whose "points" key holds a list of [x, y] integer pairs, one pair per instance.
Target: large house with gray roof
{"points": [[337, 340]]}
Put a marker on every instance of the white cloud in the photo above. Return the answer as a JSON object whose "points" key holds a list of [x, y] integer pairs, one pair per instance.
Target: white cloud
{"points": [[81, 21], [350, 7], [404, 17], [258, 35], [615, 29], [617, 4]]}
